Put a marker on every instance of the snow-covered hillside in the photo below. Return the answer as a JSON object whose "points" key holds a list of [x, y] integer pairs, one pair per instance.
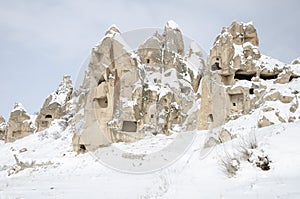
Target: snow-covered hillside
{"points": [[50, 169]]}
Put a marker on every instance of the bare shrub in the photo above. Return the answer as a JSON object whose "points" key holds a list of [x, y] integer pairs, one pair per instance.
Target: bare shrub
{"points": [[250, 151], [247, 144], [230, 164], [247, 150]]}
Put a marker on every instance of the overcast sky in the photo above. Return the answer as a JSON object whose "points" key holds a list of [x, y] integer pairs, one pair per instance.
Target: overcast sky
{"points": [[40, 41]]}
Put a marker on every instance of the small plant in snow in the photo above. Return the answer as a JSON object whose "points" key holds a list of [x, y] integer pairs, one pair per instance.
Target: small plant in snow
{"points": [[22, 165], [247, 144], [249, 151], [230, 164], [263, 163], [260, 159], [19, 166]]}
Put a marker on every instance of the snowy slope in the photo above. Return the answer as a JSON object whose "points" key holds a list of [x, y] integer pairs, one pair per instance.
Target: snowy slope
{"points": [[60, 173]]}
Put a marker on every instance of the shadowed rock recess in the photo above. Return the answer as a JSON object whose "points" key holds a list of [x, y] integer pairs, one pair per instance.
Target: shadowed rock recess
{"points": [[166, 86]]}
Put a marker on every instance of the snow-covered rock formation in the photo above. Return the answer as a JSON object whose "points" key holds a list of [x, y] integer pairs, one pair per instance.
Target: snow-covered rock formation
{"points": [[296, 61], [240, 79], [55, 105], [164, 86], [128, 93], [3, 127], [20, 123]]}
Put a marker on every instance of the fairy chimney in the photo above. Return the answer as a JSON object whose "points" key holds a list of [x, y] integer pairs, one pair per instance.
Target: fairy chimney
{"points": [[55, 105], [20, 124]]}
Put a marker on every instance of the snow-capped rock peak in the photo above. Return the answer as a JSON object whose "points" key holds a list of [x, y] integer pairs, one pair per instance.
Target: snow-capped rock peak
{"points": [[61, 95], [296, 61], [19, 107], [247, 23], [55, 106], [172, 25], [112, 30]]}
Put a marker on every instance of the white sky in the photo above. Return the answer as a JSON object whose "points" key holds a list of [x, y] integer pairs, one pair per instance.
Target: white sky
{"points": [[40, 41]]}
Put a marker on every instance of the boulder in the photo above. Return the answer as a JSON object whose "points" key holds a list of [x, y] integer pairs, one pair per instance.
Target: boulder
{"points": [[263, 122]]}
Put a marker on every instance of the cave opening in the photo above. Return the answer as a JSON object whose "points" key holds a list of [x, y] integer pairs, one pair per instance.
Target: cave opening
{"points": [[251, 91], [244, 76], [215, 66], [48, 116], [268, 77], [82, 148]]}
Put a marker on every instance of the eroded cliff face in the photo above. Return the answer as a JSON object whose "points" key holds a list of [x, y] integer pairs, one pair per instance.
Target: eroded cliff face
{"points": [[129, 93]]}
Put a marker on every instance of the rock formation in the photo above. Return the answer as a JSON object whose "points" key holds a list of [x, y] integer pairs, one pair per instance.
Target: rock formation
{"points": [[164, 86], [128, 93], [233, 57], [55, 105], [3, 128], [238, 76], [296, 61], [20, 124]]}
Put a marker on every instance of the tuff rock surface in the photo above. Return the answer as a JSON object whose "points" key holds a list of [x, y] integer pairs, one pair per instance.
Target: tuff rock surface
{"points": [[3, 128], [20, 124], [128, 93], [240, 79], [55, 105]]}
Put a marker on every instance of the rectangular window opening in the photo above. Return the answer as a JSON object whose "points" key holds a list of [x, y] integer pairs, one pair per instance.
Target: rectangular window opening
{"points": [[129, 126]]}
